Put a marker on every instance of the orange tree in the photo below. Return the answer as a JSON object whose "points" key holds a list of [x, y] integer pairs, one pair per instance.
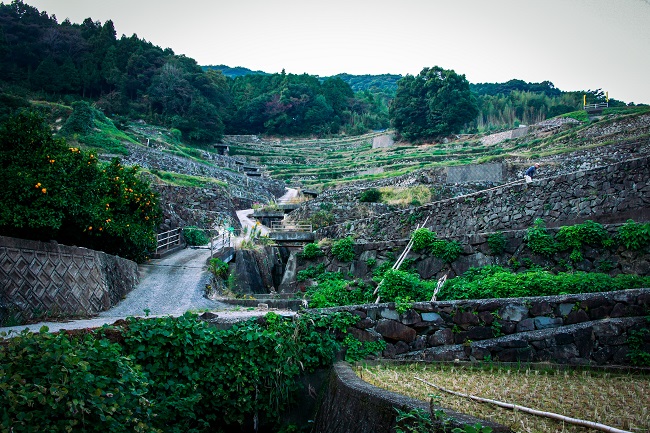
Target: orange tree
{"points": [[56, 192]]}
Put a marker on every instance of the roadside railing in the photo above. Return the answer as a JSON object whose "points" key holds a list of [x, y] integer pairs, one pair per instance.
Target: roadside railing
{"points": [[597, 106], [169, 239], [284, 226]]}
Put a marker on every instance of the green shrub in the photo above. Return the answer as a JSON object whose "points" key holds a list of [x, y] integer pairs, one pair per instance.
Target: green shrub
{"points": [[81, 120], [200, 380], [311, 251], [356, 350], [497, 282], [497, 243], [370, 195], [422, 238], [634, 236], [539, 241], [337, 291], [343, 249], [58, 383], [310, 272], [194, 236], [448, 251], [574, 237], [218, 267], [400, 285]]}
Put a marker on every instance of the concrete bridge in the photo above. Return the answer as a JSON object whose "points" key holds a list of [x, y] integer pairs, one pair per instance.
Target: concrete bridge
{"points": [[295, 234]]}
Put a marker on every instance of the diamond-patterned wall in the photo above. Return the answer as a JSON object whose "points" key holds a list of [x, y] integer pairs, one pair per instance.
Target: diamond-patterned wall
{"points": [[39, 278]]}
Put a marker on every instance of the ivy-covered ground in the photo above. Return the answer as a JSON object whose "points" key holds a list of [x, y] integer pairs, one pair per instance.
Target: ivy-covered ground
{"points": [[165, 374]]}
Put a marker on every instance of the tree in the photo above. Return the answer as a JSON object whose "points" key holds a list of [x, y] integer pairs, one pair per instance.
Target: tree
{"points": [[433, 104], [52, 191]]}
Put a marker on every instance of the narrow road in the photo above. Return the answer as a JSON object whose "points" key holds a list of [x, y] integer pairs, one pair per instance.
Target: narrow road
{"points": [[245, 221], [169, 286]]}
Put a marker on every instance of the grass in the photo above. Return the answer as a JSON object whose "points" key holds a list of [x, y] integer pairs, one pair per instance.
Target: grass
{"points": [[616, 399], [178, 179], [404, 197], [326, 163]]}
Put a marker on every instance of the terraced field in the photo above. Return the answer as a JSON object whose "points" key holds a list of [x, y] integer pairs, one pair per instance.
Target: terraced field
{"points": [[321, 164]]}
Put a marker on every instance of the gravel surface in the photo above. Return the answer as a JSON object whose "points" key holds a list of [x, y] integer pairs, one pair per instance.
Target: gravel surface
{"points": [[169, 286]]}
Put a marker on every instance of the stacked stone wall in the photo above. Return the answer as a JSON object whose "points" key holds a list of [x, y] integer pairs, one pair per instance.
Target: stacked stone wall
{"points": [[583, 329], [609, 194], [47, 279]]}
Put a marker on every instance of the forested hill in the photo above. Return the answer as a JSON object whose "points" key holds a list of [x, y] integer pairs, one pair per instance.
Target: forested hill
{"points": [[230, 72], [129, 78], [384, 83]]}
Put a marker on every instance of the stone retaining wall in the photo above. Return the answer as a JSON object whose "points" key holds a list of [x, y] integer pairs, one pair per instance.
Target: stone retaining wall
{"points": [[609, 194], [352, 405], [583, 329], [39, 278]]}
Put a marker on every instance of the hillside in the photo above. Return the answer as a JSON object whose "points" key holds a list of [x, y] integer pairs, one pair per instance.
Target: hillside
{"points": [[331, 164]]}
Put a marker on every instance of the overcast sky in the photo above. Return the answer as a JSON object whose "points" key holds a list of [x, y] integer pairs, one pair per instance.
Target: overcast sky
{"points": [[576, 44]]}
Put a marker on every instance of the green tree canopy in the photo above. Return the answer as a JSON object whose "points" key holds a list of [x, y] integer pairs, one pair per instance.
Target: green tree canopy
{"points": [[435, 103], [56, 192]]}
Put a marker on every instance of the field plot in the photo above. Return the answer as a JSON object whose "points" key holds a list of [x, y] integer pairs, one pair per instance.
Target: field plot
{"points": [[616, 399]]}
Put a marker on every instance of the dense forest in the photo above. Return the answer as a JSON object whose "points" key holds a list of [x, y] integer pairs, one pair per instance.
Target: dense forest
{"points": [[130, 78]]}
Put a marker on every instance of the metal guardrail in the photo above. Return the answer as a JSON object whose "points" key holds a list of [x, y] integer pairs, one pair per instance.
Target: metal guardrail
{"points": [[168, 239], [596, 106], [283, 226]]}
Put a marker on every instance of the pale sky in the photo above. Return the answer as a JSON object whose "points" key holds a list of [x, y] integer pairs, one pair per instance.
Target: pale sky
{"points": [[576, 44]]}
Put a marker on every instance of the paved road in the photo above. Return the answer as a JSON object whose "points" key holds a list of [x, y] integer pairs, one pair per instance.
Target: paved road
{"points": [[171, 285], [168, 286]]}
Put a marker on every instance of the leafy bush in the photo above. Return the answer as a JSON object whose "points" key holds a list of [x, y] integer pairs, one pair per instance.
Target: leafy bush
{"points": [[218, 267], [165, 374], [498, 282], [81, 121], [358, 350], [53, 191], [448, 251], [423, 238], [574, 237], [634, 236], [337, 291], [311, 251], [57, 383], [497, 243], [194, 236], [343, 249], [397, 286], [370, 195], [310, 272], [539, 241]]}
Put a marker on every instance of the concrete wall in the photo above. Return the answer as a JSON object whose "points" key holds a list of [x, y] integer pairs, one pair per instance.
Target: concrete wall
{"points": [[38, 278], [610, 194], [584, 329], [475, 173]]}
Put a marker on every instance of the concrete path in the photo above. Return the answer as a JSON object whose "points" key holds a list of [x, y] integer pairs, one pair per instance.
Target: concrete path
{"points": [[169, 286]]}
